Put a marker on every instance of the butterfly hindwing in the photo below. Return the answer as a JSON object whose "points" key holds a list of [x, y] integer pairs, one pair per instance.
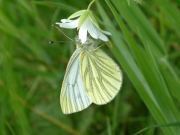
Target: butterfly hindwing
{"points": [[73, 97], [101, 75]]}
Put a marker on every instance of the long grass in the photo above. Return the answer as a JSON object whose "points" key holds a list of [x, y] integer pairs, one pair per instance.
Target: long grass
{"points": [[145, 42]]}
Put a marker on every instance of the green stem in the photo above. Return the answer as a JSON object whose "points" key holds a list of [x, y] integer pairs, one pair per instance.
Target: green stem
{"points": [[90, 4]]}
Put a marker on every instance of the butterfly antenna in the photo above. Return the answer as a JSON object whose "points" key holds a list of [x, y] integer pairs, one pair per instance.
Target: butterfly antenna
{"points": [[98, 47], [54, 42], [62, 32]]}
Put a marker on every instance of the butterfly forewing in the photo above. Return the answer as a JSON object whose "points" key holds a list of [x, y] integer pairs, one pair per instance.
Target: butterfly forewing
{"points": [[101, 76], [73, 97]]}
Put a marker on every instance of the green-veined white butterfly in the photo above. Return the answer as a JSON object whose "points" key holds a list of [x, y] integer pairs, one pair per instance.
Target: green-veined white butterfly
{"points": [[91, 77]]}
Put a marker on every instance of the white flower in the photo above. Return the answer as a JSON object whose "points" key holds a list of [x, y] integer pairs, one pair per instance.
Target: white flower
{"points": [[85, 22]]}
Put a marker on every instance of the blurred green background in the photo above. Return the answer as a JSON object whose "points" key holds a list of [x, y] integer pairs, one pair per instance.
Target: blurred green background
{"points": [[145, 42]]}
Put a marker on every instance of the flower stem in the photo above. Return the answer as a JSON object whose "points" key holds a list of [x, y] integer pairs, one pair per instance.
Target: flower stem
{"points": [[90, 4]]}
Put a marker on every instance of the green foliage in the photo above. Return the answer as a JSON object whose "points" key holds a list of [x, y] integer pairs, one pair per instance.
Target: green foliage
{"points": [[145, 42]]}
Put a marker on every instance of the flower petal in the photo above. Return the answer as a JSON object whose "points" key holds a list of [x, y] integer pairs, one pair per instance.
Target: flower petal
{"points": [[107, 33], [103, 37], [66, 21], [92, 29], [70, 24], [97, 33], [83, 32]]}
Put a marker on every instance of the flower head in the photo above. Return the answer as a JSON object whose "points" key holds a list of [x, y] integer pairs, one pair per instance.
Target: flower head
{"points": [[86, 24]]}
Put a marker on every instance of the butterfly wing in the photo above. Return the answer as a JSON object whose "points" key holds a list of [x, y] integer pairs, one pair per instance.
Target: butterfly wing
{"points": [[73, 97], [101, 75]]}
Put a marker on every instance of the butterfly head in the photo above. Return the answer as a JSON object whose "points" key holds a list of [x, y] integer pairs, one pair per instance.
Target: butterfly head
{"points": [[88, 45]]}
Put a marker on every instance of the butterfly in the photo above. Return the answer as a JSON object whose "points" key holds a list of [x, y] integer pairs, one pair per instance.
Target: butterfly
{"points": [[91, 77]]}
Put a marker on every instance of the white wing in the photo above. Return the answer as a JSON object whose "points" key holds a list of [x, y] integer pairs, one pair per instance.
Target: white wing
{"points": [[101, 75], [73, 97]]}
